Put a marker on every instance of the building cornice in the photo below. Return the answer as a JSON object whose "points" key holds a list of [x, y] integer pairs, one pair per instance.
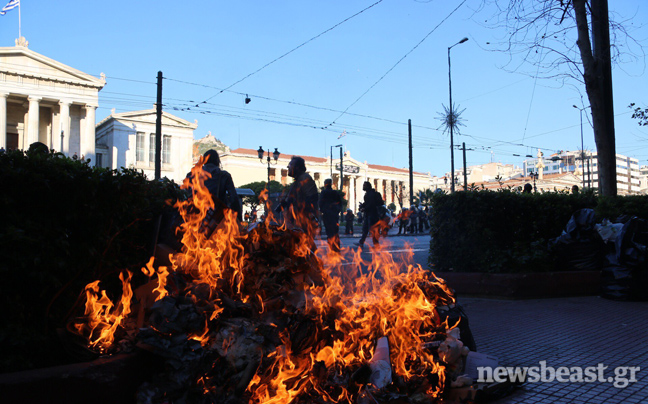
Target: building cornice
{"points": [[79, 78]]}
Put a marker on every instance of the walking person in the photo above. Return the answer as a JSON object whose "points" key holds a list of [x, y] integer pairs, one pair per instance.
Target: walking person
{"points": [[348, 218], [402, 219], [330, 204], [413, 220], [372, 201]]}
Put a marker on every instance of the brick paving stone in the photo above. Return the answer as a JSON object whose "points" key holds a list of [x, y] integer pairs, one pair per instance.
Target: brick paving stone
{"points": [[572, 332]]}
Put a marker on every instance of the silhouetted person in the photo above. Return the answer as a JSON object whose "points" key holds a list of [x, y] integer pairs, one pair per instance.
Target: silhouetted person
{"points": [[372, 201], [38, 148], [220, 183], [422, 220], [413, 219], [223, 194], [299, 207], [527, 188], [402, 219], [330, 204], [348, 218], [221, 187], [575, 189]]}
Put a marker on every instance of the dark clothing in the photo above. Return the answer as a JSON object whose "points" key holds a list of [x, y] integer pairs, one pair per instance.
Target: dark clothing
{"points": [[223, 194], [349, 223], [372, 202], [300, 204], [413, 221], [222, 189], [330, 204], [403, 219], [423, 220]]}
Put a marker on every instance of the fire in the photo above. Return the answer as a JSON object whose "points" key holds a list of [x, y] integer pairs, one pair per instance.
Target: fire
{"points": [[283, 320], [102, 320]]}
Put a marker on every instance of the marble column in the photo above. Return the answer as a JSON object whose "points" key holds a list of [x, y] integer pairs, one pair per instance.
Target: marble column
{"points": [[3, 120], [88, 137], [33, 121], [64, 130]]}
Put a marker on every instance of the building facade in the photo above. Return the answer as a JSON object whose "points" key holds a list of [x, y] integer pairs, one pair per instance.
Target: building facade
{"points": [[42, 100], [393, 183], [128, 140], [585, 166]]}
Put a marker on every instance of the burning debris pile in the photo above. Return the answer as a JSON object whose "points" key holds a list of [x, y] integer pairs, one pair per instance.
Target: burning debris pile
{"points": [[255, 315]]}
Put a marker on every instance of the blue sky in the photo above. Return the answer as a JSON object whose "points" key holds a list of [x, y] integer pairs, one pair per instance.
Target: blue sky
{"points": [[297, 101]]}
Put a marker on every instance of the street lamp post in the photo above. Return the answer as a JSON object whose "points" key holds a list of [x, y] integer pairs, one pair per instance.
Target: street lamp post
{"points": [[452, 117], [275, 155], [338, 145], [582, 147]]}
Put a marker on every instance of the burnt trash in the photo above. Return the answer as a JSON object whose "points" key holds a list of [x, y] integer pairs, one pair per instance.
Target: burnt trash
{"points": [[625, 273], [455, 313], [579, 247]]}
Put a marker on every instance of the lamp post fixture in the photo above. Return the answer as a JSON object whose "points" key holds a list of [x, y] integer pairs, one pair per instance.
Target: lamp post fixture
{"points": [[535, 177], [275, 155], [337, 145], [452, 117], [580, 110]]}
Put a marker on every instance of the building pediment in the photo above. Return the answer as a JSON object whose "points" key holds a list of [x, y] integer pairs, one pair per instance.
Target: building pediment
{"points": [[24, 63], [150, 116], [351, 165]]}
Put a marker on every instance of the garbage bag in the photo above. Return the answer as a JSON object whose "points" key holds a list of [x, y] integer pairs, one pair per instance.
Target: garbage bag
{"points": [[616, 279], [580, 226], [579, 247], [625, 273], [454, 314]]}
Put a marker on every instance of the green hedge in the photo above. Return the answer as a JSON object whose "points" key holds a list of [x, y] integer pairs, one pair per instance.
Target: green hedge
{"points": [[65, 224], [506, 231]]}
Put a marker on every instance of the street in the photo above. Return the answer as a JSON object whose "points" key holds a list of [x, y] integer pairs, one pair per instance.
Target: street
{"points": [[420, 244]]}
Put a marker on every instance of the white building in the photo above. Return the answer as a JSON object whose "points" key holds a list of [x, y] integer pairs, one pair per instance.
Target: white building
{"points": [[586, 168], [128, 140], [478, 174], [391, 182], [42, 100]]}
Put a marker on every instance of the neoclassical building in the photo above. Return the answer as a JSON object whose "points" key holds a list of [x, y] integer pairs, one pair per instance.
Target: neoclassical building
{"points": [[393, 183], [42, 100], [128, 140]]}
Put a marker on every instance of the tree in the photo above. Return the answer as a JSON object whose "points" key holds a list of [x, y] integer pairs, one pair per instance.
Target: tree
{"points": [[556, 37], [639, 114], [257, 187]]}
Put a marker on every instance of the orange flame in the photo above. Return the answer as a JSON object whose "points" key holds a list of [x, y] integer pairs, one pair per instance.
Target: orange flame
{"points": [[102, 320], [348, 302]]}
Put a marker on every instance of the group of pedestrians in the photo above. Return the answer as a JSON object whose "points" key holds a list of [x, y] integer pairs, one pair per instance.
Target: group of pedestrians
{"points": [[303, 207], [413, 220]]}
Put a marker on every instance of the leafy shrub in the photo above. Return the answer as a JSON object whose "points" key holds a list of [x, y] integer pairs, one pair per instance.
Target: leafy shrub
{"points": [[65, 224], [505, 231]]}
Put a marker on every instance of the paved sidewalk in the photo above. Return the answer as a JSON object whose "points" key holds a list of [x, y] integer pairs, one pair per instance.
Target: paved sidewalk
{"points": [[577, 331]]}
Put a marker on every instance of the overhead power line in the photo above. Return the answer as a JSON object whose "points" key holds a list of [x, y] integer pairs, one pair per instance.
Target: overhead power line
{"points": [[294, 49], [299, 104], [396, 64]]}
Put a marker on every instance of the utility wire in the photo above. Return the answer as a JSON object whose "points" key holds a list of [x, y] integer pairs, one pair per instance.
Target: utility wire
{"points": [[394, 66], [294, 49], [298, 104], [376, 134], [535, 81]]}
